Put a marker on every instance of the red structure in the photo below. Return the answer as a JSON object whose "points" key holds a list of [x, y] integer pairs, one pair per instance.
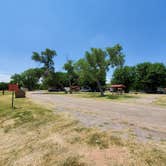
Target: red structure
{"points": [[119, 88]]}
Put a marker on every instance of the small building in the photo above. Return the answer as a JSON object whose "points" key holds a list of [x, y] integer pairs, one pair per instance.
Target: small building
{"points": [[118, 88]]}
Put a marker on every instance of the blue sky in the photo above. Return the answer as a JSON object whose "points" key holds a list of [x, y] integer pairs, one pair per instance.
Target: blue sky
{"points": [[73, 26]]}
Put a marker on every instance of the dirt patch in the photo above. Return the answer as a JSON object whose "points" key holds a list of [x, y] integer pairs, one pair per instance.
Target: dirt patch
{"points": [[108, 156], [137, 115]]}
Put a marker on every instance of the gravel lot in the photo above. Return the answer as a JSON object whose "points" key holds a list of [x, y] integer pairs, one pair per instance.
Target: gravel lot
{"points": [[138, 118]]}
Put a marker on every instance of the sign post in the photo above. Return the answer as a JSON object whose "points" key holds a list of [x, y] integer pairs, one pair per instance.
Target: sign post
{"points": [[12, 99], [13, 88]]}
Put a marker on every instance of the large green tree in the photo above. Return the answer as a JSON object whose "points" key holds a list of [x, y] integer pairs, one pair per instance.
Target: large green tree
{"points": [[83, 69], [116, 55], [57, 80], [71, 73], [17, 79], [31, 77], [150, 76], [96, 63], [28, 79], [47, 59]]}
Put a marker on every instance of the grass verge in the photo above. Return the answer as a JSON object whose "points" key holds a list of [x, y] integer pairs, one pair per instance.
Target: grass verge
{"points": [[161, 101], [96, 95]]}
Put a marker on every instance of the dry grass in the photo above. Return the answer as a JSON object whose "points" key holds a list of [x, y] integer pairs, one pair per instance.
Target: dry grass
{"points": [[161, 101], [96, 95], [32, 135]]}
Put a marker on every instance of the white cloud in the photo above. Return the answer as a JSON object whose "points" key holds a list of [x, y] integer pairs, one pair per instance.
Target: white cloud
{"points": [[5, 77]]}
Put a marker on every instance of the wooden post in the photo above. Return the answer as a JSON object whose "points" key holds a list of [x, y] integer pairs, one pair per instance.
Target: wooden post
{"points": [[13, 88], [12, 99]]}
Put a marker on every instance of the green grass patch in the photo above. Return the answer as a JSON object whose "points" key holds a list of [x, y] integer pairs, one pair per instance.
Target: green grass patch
{"points": [[96, 95], [54, 93], [5, 93], [25, 112], [107, 96]]}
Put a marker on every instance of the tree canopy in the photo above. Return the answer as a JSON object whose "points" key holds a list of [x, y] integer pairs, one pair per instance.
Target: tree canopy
{"points": [[57, 80], [91, 70], [3, 86], [124, 75], [97, 62], [28, 79], [143, 77], [46, 58], [71, 73], [150, 76]]}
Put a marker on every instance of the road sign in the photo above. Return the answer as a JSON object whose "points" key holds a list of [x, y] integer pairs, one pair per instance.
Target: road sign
{"points": [[13, 87]]}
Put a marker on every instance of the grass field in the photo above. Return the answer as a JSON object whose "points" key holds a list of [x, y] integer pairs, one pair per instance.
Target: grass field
{"points": [[34, 135], [108, 95], [96, 95]]}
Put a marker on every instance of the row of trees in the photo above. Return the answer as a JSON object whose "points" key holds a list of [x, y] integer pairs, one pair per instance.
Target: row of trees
{"points": [[41, 78], [90, 71], [29, 79], [142, 77], [3, 86]]}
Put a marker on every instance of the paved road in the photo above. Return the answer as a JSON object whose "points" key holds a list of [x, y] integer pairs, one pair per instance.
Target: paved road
{"points": [[143, 119]]}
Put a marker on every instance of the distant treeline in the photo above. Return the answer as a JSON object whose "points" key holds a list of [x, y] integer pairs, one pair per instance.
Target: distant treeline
{"points": [[3, 86], [145, 77]]}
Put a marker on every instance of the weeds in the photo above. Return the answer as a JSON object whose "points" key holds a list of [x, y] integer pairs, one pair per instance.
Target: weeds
{"points": [[71, 161], [98, 139], [114, 140]]}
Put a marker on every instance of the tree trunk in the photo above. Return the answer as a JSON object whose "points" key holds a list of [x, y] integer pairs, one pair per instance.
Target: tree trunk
{"points": [[70, 91], [3, 92], [100, 88]]}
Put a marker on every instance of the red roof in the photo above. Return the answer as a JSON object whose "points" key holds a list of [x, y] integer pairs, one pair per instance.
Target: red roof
{"points": [[118, 86]]}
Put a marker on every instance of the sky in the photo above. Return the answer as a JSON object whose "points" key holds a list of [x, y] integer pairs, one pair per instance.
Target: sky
{"points": [[72, 27]]}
